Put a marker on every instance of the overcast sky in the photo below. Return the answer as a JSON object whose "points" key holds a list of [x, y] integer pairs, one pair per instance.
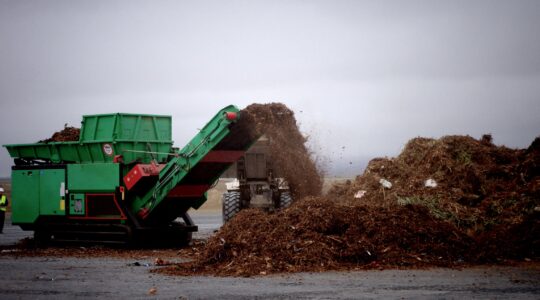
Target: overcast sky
{"points": [[363, 77]]}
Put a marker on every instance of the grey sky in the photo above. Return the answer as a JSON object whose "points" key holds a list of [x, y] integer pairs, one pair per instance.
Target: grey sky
{"points": [[367, 76]]}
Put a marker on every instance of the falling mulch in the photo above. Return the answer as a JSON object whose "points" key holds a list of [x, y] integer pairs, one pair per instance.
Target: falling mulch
{"points": [[442, 202], [68, 134], [287, 146]]}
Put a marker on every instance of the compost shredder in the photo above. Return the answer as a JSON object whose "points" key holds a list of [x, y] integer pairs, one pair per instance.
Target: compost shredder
{"points": [[122, 181]]}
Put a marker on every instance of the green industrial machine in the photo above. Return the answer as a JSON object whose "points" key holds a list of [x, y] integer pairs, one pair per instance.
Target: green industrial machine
{"points": [[122, 181]]}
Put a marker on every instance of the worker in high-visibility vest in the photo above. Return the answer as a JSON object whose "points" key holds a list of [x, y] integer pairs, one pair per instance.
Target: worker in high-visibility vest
{"points": [[3, 207]]}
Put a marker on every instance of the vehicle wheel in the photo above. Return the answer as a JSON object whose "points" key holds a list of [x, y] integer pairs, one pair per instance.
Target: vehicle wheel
{"points": [[231, 205], [285, 199]]}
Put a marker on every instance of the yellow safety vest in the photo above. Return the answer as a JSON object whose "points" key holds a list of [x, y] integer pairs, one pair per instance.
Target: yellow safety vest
{"points": [[3, 203]]}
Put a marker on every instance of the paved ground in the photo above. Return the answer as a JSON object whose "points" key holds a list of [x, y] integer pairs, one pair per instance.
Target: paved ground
{"points": [[68, 278]]}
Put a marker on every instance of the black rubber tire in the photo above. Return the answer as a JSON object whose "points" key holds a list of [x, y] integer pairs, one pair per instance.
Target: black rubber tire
{"points": [[231, 205], [285, 199]]}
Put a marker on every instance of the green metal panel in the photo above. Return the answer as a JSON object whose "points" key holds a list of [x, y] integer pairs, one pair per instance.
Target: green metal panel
{"points": [[37, 192], [25, 196], [128, 127], [136, 137], [92, 152], [51, 192], [93, 177], [77, 204], [98, 128]]}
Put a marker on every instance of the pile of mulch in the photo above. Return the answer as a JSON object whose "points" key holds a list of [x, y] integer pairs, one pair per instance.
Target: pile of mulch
{"points": [[287, 146], [479, 186], [68, 134], [489, 192], [318, 234], [484, 208]]}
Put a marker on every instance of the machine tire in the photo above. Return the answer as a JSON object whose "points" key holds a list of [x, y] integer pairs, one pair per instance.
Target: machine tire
{"points": [[285, 199], [231, 205]]}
